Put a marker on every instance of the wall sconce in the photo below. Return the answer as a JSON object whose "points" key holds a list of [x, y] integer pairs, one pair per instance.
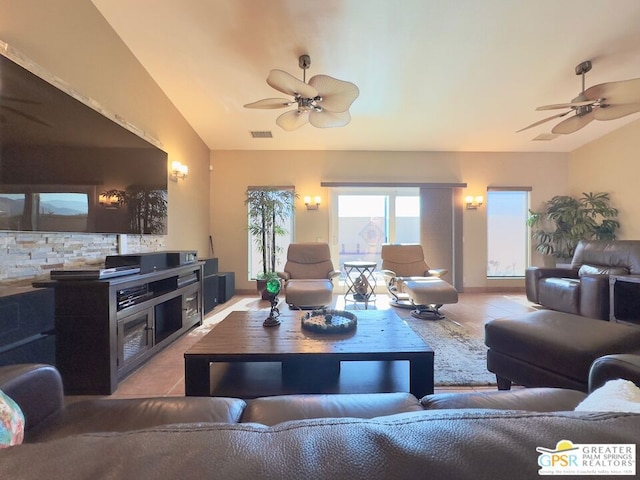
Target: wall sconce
{"points": [[312, 206], [108, 202], [474, 202], [178, 170]]}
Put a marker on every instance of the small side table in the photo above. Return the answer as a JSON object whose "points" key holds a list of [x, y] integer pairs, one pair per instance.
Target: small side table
{"points": [[624, 299], [360, 282]]}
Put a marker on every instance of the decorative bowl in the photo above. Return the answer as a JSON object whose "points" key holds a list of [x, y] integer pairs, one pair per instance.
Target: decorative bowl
{"points": [[329, 321]]}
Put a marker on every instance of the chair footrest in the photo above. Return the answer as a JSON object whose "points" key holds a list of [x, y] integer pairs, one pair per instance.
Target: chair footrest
{"points": [[431, 291]]}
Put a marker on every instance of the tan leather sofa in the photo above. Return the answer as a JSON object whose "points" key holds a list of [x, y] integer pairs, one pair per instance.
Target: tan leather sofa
{"points": [[583, 288], [482, 435]]}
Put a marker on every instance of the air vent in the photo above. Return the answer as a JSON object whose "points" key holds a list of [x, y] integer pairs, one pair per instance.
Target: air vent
{"points": [[545, 137], [266, 134]]}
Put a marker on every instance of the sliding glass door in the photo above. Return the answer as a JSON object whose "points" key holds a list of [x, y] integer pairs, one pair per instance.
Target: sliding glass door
{"points": [[364, 218]]}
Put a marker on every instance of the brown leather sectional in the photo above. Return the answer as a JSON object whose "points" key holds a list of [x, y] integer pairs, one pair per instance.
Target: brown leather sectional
{"points": [[461, 435]]}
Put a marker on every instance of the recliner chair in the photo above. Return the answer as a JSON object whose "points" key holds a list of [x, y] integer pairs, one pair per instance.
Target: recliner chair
{"points": [[308, 275], [412, 284]]}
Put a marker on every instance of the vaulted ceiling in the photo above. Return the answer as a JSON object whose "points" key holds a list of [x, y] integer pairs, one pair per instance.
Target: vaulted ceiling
{"points": [[434, 75]]}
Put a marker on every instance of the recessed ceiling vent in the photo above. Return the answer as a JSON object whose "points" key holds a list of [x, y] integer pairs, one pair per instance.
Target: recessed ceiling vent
{"points": [[265, 134]]}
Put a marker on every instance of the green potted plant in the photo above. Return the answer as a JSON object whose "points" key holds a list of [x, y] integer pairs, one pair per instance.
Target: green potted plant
{"points": [[565, 220], [268, 208]]}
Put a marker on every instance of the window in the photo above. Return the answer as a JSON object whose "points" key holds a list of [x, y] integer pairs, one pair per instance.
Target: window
{"points": [[275, 199], [367, 218], [507, 232]]}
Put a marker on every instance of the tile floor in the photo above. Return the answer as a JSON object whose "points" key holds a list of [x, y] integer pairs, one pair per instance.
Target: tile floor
{"points": [[163, 375]]}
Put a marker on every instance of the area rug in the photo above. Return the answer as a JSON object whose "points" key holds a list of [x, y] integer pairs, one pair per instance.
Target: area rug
{"points": [[460, 357]]}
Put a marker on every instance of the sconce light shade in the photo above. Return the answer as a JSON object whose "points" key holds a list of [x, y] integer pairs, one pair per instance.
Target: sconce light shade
{"points": [[474, 202], [314, 205], [178, 170]]}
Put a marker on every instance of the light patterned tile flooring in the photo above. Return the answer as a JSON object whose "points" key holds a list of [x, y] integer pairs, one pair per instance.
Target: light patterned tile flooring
{"points": [[163, 375]]}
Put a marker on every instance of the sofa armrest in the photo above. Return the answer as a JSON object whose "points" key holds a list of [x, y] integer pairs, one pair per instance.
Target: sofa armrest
{"points": [[610, 367], [533, 275], [437, 272], [36, 388], [594, 296], [389, 277], [529, 399], [333, 274]]}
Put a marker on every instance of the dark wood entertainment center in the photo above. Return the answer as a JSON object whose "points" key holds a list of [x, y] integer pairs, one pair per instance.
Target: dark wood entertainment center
{"points": [[107, 328]]}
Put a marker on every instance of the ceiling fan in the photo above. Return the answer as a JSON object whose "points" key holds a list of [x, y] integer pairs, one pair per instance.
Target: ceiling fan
{"points": [[323, 102], [606, 101]]}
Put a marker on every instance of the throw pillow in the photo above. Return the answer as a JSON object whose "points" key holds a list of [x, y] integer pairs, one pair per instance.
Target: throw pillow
{"points": [[11, 422], [614, 396]]}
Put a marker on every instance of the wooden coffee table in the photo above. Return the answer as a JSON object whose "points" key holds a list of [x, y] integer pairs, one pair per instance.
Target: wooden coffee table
{"points": [[240, 357]]}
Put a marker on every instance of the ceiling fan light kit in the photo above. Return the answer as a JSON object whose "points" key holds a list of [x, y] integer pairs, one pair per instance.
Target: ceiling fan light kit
{"points": [[323, 102], [606, 101]]}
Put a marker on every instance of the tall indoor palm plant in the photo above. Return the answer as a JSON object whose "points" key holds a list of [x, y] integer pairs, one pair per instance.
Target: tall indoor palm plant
{"points": [[269, 208], [565, 220]]}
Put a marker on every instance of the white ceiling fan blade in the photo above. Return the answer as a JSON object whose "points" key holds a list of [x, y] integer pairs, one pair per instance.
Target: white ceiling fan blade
{"points": [[565, 105], [611, 112], [573, 124], [287, 83], [337, 95], [326, 119], [544, 120], [616, 93], [270, 103], [292, 120]]}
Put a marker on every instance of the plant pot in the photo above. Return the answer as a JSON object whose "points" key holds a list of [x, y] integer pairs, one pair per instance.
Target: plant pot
{"points": [[261, 285]]}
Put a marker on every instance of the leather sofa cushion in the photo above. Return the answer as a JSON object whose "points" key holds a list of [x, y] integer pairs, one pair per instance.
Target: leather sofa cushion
{"points": [[615, 253], [560, 342], [282, 408], [469, 444], [561, 294], [601, 270], [309, 293], [122, 415], [529, 399]]}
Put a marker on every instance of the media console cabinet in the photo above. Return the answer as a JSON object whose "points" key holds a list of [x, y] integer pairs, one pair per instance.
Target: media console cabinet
{"points": [[107, 328]]}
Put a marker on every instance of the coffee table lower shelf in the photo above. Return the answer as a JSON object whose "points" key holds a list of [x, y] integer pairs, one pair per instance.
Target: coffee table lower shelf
{"points": [[256, 379], [242, 358]]}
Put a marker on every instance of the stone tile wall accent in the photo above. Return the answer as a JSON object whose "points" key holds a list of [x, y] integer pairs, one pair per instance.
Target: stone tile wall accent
{"points": [[25, 257]]}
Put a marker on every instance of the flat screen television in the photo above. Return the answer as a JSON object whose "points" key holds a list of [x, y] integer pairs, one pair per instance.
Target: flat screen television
{"points": [[65, 167]]}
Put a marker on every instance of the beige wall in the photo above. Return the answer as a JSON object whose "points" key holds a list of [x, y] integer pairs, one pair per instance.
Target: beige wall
{"points": [[612, 164], [70, 39], [233, 171]]}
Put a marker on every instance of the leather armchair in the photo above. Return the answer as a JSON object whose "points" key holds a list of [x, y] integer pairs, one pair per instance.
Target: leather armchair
{"points": [[583, 288], [411, 283], [308, 275]]}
